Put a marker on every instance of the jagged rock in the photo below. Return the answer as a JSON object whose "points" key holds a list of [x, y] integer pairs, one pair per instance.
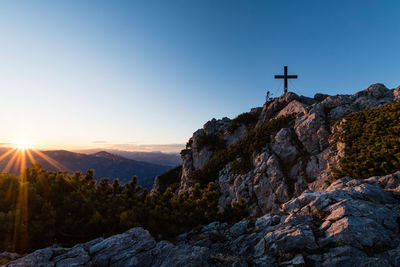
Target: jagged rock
{"points": [[283, 146], [245, 244], [390, 181], [187, 167], [194, 157], [271, 109], [293, 107], [349, 256], [357, 231], [267, 220], [298, 261], [231, 138], [40, 258], [376, 91], [392, 256], [265, 261], [214, 226], [396, 94], [331, 102], [77, 256], [118, 249], [299, 202], [135, 247], [311, 132], [239, 228], [320, 97], [181, 255], [340, 111], [290, 238], [375, 193]]}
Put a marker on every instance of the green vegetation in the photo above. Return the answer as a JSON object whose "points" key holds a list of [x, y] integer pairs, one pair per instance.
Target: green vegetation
{"points": [[43, 207], [372, 139], [212, 142], [247, 119], [241, 166], [170, 178], [253, 141]]}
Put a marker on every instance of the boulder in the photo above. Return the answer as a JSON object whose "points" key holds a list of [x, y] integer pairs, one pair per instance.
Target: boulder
{"points": [[40, 258], [238, 228]]}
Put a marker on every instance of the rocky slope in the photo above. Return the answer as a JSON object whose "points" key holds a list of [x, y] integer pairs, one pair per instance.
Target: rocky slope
{"points": [[300, 215], [299, 156], [351, 223]]}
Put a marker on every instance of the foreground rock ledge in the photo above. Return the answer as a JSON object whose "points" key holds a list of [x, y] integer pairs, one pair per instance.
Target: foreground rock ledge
{"points": [[352, 223]]}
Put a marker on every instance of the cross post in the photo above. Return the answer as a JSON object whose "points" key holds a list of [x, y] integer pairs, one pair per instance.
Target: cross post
{"points": [[285, 77]]}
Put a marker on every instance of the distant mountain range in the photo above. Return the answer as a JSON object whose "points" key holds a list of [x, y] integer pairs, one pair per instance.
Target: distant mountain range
{"points": [[156, 157], [105, 164]]}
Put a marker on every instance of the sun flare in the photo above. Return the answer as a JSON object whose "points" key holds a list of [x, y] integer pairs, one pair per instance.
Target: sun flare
{"points": [[23, 143]]}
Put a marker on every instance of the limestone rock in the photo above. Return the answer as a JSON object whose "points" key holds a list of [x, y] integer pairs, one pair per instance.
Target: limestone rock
{"points": [[293, 107], [239, 228], [396, 94]]}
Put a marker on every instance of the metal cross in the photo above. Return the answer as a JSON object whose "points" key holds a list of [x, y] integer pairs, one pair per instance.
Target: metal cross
{"points": [[285, 77]]}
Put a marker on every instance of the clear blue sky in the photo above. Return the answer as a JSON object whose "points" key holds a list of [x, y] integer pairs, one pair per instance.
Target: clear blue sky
{"points": [[77, 74]]}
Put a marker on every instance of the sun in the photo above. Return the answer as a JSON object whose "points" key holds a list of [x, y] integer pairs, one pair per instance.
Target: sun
{"points": [[23, 143]]}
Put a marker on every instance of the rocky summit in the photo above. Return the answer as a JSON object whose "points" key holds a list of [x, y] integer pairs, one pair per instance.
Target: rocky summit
{"points": [[280, 159], [297, 157]]}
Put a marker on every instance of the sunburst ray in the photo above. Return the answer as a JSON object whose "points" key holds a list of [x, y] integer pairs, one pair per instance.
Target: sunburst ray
{"points": [[10, 163], [51, 161]]}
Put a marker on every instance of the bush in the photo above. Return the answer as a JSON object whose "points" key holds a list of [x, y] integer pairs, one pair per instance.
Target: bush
{"points": [[170, 178], [372, 139], [241, 166], [248, 118], [253, 141], [42, 207], [212, 142]]}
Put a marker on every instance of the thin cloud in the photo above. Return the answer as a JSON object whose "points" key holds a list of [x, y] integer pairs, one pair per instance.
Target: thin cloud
{"points": [[100, 142], [166, 148]]}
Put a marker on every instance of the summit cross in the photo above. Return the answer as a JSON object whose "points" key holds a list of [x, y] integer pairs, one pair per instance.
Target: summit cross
{"points": [[285, 77]]}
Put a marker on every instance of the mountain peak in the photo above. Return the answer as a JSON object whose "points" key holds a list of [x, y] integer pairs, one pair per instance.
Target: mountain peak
{"points": [[267, 160], [107, 155]]}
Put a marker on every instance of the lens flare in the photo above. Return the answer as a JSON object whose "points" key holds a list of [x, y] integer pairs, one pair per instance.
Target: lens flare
{"points": [[23, 143]]}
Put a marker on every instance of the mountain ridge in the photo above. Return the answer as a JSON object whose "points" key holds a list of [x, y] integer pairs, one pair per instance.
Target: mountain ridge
{"points": [[105, 165], [156, 157]]}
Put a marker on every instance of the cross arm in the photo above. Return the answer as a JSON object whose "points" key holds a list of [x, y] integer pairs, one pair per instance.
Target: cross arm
{"points": [[279, 77], [292, 76]]}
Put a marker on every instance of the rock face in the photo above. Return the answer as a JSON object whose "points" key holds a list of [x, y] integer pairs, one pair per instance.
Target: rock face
{"points": [[195, 156], [299, 157], [351, 223]]}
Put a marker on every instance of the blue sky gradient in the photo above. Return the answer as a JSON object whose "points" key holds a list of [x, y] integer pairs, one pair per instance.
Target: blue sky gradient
{"points": [[76, 74]]}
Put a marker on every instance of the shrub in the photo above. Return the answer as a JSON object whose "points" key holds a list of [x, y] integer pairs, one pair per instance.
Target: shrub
{"points": [[170, 178], [253, 141], [213, 142], [372, 139], [241, 166], [247, 119], [42, 207]]}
